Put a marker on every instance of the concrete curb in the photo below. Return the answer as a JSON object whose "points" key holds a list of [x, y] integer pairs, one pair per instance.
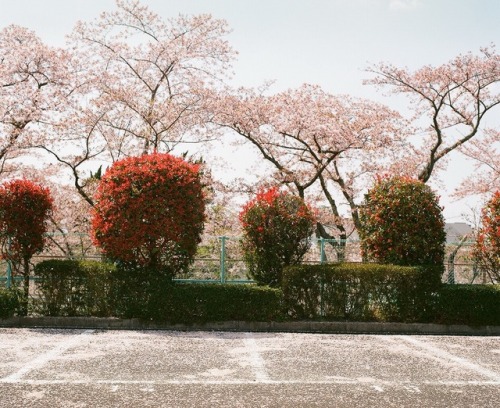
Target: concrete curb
{"points": [[240, 326]]}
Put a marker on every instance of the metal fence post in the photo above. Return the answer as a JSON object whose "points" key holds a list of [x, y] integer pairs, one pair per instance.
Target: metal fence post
{"points": [[223, 259], [322, 283], [322, 256], [9, 274]]}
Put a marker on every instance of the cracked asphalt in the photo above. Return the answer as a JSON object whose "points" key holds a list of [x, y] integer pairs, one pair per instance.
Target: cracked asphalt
{"points": [[101, 368]]}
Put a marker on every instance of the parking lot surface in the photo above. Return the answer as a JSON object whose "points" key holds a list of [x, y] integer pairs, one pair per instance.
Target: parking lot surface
{"points": [[100, 368]]}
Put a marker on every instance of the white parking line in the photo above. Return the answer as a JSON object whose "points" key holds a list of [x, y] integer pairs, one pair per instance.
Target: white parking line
{"points": [[462, 362], [377, 385], [255, 359], [43, 359]]}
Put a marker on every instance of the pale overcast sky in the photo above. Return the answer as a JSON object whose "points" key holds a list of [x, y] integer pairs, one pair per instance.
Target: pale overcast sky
{"points": [[324, 42]]}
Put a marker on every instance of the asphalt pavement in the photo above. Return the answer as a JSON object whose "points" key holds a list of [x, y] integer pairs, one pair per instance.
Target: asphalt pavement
{"points": [[43, 367]]}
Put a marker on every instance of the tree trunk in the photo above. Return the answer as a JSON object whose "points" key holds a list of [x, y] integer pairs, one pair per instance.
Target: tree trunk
{"points": [[26, 287]]}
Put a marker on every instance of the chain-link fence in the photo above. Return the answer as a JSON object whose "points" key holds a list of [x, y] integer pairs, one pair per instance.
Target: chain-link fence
{"points": [[221, 259]]}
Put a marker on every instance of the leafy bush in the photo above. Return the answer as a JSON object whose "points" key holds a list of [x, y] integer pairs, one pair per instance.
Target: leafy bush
{"points": [[139, 291], [145, 295], [402, 223], [25, 208], [9, 302], [361, 292], [149, 212], [486, 252], [216, 302], [474, 305], [74, 288], [276, 227]]}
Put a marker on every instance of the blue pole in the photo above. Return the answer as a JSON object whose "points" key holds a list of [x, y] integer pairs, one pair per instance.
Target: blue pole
{"points": [[322, 249], [223, 259], [9, 275]]}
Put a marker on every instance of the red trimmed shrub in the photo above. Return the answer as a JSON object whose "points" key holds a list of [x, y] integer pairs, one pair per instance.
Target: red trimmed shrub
{"points": [[276, 231], [486, 250], [149, 212], [24, 210], [402, 223]]}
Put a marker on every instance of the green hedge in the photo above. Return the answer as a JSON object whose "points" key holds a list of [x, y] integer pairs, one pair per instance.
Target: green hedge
{"points": [[361, 292], [74, 288], [83, 288], [189, 303], [474, 305], [9, 302]]}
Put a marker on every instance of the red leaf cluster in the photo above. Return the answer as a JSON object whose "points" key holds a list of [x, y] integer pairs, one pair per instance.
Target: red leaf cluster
{"points": [[150, 211], [487, 247], [24, 210], [277, 227], [402, 223]]}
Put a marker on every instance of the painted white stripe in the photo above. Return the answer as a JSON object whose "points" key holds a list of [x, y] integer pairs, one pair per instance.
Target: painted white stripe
{"points": [[255, 359], [462, 362], [44, 358], [413, 386]]}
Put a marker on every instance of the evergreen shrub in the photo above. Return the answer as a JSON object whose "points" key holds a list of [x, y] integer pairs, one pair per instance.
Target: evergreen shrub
{"points": [[473, 305], [486, 251], [9, 302], [276, 233], [361, 292], [74, 288], [149, 212], [402, 223]]}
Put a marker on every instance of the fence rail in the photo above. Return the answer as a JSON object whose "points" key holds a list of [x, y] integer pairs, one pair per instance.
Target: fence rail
{"points": [[220, 259]]}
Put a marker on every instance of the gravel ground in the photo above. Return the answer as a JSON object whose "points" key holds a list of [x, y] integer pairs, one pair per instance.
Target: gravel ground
{"points": [[99, 368]]}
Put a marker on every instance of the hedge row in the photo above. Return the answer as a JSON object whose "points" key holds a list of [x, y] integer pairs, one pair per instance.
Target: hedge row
{"points": [[189, 303], [89, 288], [477, 305], [74, 288], [353, 292], [9, 302], [361, 292]]}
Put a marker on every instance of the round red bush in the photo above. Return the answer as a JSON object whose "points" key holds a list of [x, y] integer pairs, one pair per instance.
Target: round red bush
{"points": [[277, 229], [402, 223], [486, 252], [149, 211], [25, 208]]}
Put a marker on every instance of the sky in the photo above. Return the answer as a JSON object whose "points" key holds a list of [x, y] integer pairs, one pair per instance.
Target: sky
{"points": [[330, 43]]}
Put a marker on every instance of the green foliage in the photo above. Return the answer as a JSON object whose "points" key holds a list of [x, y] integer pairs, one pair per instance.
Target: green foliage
{"points": [[402, 223], [74, 288], [215, 302], [9, 302], [276, 227], [361, 292], [146, 294], [150, 211], [139, 291], [474, 305]]}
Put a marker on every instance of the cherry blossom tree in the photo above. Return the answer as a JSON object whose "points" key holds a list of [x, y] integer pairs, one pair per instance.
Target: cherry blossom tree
{"points": [[485, 154], [148, 74], [31, 80], [324, 144], [450, 100], [137, 86]]}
